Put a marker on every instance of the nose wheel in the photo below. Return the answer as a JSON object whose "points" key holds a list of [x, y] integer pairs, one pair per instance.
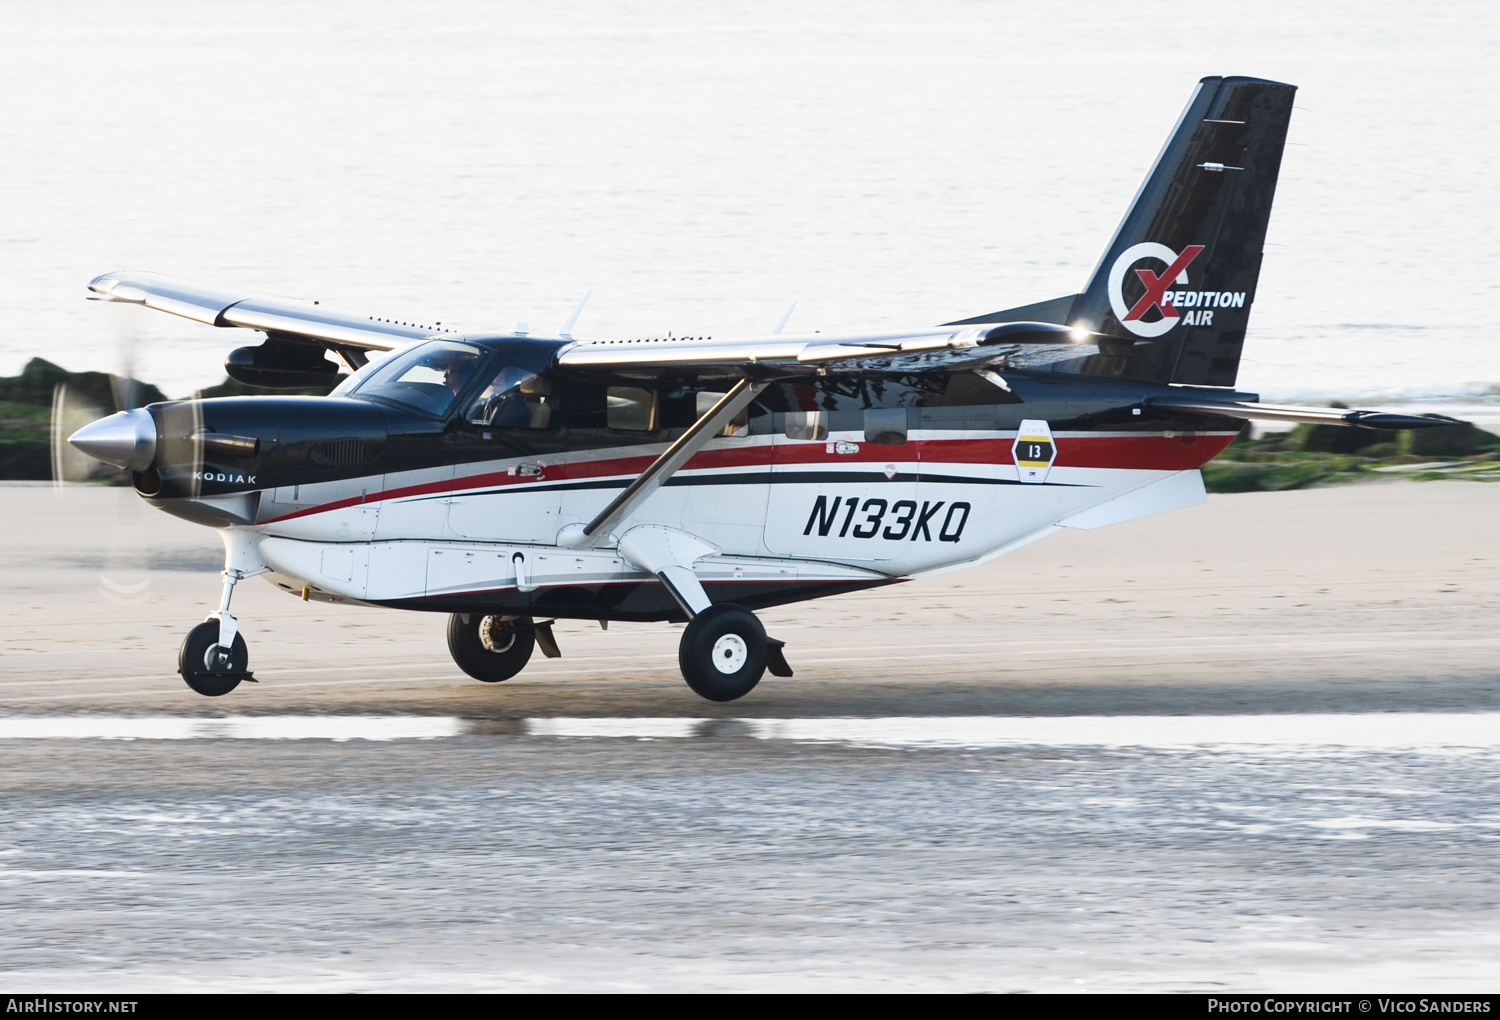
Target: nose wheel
{"points": [[209, 668], [213, 658]]}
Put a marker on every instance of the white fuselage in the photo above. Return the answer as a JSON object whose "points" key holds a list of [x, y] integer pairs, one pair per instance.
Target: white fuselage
{"points": [[776, 509]]}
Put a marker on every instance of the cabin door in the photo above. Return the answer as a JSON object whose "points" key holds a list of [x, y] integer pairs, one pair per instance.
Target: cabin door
{"points": [[500, 495], [844, 495], [508, 456]]}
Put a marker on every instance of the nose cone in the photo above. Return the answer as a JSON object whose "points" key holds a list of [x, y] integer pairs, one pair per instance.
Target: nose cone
{"points": [[126, 439]]}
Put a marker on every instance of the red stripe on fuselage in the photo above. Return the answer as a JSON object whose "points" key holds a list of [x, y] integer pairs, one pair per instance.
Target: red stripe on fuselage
{"points": [[1137, 452]]}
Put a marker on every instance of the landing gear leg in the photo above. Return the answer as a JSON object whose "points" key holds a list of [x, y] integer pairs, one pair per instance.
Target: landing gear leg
{"points": [[213, 658], [724, 650]]}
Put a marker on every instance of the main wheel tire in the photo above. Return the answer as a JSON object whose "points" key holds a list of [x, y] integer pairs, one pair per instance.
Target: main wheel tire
{"points": [[490, 648], [723, 652], [204, 669]]}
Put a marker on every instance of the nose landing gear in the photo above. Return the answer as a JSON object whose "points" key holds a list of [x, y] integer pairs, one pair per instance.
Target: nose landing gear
{"points": [[213, 659], [208, 667]]}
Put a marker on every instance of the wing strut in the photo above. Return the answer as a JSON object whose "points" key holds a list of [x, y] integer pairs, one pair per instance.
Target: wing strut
{"points": [[679, 453]]}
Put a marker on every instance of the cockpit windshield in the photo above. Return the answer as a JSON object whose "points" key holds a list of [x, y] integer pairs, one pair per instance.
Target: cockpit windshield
{"points": [[428, 378]]}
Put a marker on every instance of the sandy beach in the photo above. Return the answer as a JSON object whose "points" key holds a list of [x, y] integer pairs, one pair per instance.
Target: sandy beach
{"points": [[1357, 598]]}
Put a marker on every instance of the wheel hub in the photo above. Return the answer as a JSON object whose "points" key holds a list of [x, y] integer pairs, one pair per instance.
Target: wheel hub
{"points": [[730, 653], [497, 635]]}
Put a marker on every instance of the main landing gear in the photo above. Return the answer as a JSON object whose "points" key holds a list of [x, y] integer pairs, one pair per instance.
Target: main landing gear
{"points": [[496, 648], [723, 654], [725, 651], [491, 648]]}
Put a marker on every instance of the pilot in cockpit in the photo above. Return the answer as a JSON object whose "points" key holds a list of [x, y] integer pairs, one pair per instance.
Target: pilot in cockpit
{"points": [[457, 372], [516, 398]]}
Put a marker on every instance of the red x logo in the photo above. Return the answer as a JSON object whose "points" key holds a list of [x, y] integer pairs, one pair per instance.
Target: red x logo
{"points": [[1156, 286]]}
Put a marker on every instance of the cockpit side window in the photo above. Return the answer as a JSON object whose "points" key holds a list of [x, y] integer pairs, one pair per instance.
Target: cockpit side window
{"points": [[515, 398], [429, 378], [630, 409]]}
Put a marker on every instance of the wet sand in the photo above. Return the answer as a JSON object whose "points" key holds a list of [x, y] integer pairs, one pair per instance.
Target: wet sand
{"points": [[1194, 842]]}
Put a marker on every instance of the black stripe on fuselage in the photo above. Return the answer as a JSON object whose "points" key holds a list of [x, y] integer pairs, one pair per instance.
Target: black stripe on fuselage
{"points": [[630, 601], [758, 478]]}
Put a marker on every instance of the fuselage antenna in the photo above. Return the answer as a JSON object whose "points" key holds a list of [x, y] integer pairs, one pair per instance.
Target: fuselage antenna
{"points": [[566, 329], [784, 317]]}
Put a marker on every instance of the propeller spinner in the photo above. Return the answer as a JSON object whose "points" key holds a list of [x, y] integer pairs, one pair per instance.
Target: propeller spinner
{"points": [[125, 439]]}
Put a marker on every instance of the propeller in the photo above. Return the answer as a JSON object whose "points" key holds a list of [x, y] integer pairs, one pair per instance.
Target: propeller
{"points": [[126, 573], [73, 407], [71, 412]]}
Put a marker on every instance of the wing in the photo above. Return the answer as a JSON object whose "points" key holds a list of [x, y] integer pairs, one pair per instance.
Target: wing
{"points": [[1013, 345], [1023, 344], [279, 317], [1010, 345]]}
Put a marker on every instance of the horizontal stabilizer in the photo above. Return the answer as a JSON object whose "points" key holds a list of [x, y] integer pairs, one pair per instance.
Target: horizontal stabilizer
{"points": [[1055, 311], [1253, 411]]}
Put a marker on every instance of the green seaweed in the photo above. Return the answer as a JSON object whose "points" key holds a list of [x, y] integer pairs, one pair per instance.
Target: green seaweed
{"points": [[1309, 456]]}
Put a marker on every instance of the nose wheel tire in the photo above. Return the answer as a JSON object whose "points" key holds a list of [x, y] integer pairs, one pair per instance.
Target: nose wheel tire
{"points": [[723, 652], [206, 667], [490, 648]]}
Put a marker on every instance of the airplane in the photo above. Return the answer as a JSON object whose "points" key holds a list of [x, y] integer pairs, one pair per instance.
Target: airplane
{"points": [[511, 479]]}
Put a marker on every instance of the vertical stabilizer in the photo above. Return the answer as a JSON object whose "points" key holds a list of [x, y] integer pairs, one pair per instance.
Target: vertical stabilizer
{"points": [[1178, 279]]}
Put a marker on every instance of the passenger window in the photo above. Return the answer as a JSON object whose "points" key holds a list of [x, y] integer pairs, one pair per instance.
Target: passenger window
{"points": [[630, 409], [516, 398], [739, 425], [807, 425], [886, 426]]}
